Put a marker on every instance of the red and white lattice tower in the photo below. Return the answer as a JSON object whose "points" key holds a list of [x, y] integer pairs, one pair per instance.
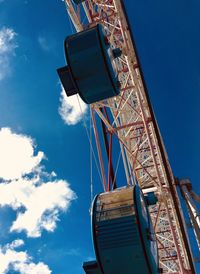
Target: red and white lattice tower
{"points": [[134, 125]]}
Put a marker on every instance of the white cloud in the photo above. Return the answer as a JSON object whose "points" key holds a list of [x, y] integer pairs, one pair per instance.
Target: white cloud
{"points": [[19, 260], [7, 47], [38, 197], [72, 109], [17, 155]]}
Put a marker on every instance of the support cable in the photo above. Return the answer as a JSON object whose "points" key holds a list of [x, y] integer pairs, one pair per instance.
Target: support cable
{"points": [[91, 165], [90, 140]]}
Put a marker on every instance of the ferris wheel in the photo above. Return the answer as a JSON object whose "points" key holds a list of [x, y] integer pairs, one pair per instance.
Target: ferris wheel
{"points": [[137, 225]]}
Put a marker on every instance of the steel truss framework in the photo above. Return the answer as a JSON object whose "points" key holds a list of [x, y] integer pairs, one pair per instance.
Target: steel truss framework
{"points": [[129, 118], [191, 200]]}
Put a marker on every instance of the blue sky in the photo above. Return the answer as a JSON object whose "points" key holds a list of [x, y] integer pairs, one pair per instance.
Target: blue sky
{"points": [[37, 130]]}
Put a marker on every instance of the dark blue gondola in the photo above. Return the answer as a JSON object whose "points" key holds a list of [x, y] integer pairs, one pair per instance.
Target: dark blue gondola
{"points": [[124, 240], [91, 70]]}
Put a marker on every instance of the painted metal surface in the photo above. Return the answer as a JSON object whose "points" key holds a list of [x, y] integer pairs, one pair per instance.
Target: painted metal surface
{"points": [[151, 198], [123, 235], [91, 267], [90, 72], [191, 200]]}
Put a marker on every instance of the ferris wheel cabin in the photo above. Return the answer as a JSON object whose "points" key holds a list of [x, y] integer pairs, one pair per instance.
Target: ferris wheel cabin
{"points": [[123, 236], [91, 69]]}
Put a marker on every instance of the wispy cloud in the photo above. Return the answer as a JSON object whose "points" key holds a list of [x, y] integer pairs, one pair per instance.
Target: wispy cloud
{"points": [[44, 44], [15, 244], [90, 258], [73, 252], [47, 42], [37, 196], [19, 260], [7, 47], [72, 109]]}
